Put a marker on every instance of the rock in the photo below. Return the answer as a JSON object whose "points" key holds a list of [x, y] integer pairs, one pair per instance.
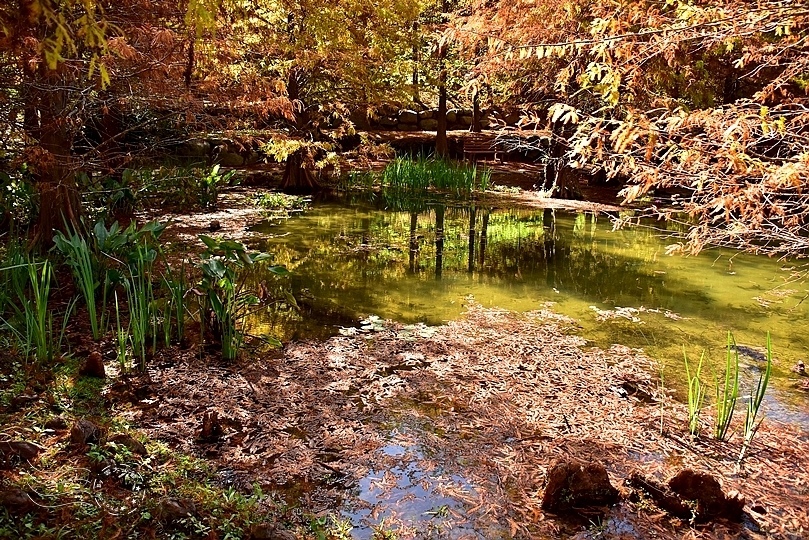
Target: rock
{"points": [[427, 115], [269, 531], [93, 366], [452, 116], [22, 400], [130, 443], [169, 510], [230, 159], [408, 117], [431, 124], [214, 225], [11, 451], [57, 423], [465, 120], [661, 495], [574, 484], [388, 122], [706, 492], [387, 109], [84, 432], [359, 118], [15, 499], [195, 148], [408, 127], [512, 118]]}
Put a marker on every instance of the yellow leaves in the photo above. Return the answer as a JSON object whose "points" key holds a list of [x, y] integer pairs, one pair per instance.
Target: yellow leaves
{"points": [[631, 193], [563, 113], [201, 15], [624, 135], [563, 79], [603, 79]]}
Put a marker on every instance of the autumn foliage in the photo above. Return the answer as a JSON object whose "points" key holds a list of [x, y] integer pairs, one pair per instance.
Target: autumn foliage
{"points": [[703, 100]]}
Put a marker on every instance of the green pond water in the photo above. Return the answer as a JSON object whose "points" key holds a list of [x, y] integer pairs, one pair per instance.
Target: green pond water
{"points": [[351, 260]]}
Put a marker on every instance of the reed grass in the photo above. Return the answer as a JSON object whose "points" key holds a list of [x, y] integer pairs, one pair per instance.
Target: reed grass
{"points": [[140, 298], [727, 392], [754, 404], [31, 323], [696, 393], [122, 338], [422, 173]]}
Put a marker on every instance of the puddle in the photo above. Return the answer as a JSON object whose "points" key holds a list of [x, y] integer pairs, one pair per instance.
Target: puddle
{"points": [[416, 503]]}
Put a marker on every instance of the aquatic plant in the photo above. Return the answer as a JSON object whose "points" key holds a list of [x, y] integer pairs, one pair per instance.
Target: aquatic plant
{"points": [[225, 297], [274, 200], [727, 393], [208, 186], [422, 173], [696, 393], [754, 403]]}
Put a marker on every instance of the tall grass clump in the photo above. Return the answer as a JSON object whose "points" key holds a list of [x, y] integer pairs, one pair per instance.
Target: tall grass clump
{"points": [[121, 337], [140, 298], [754, 404], [727, 391], [31, 318], [422, 173], [80, 258], [174, 304], [32, 322], [696, 393]]}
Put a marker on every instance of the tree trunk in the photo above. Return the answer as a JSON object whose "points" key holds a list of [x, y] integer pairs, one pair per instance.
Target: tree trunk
{"points": [[558, 175], [441, 144], [439, 241], [55, 171], [297, 178], [477, 124], [484, 231]]}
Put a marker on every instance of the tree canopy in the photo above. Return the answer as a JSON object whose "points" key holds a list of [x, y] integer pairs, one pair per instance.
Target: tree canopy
{"points": [[704, 100]]}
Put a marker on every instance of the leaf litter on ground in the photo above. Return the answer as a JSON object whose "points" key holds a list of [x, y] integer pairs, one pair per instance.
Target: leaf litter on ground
{"points": [[481, 408]]}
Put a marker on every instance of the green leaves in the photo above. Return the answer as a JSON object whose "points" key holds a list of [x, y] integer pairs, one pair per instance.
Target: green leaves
{"points": [[696, 393], [727, 393], [223, 289]]}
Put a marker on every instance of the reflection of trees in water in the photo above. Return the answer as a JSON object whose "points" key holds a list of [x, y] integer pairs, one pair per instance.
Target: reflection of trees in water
{"points": [[356, 255], [565, 254]]}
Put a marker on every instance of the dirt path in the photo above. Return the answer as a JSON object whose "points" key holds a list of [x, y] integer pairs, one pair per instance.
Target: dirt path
{"points": [[454, 428]]}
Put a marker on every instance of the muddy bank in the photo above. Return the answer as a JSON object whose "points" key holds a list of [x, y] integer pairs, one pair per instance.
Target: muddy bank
{"points": [[455, 428]]}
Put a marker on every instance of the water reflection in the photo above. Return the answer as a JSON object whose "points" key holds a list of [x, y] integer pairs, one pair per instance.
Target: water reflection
{"points": [[416, 261]]}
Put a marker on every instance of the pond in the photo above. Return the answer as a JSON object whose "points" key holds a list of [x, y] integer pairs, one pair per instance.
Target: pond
{"points": [[422, 263]]}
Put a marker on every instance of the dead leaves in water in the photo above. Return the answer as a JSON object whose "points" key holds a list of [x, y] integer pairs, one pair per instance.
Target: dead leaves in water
{"points": [[471, 415]]}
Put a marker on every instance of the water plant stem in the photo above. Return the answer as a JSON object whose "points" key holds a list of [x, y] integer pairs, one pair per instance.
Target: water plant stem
{"points": [[727, 393], [754, 404], [696, 393]]}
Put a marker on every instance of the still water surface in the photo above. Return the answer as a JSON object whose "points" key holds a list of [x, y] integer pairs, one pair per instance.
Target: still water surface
{"points": [[350, 260]]}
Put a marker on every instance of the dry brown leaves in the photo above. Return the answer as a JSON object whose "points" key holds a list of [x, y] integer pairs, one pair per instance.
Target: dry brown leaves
{"points": [[474, 413]]}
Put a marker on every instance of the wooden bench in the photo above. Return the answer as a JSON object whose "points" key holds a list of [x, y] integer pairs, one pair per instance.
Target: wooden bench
{"points": [[480, 145]]}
